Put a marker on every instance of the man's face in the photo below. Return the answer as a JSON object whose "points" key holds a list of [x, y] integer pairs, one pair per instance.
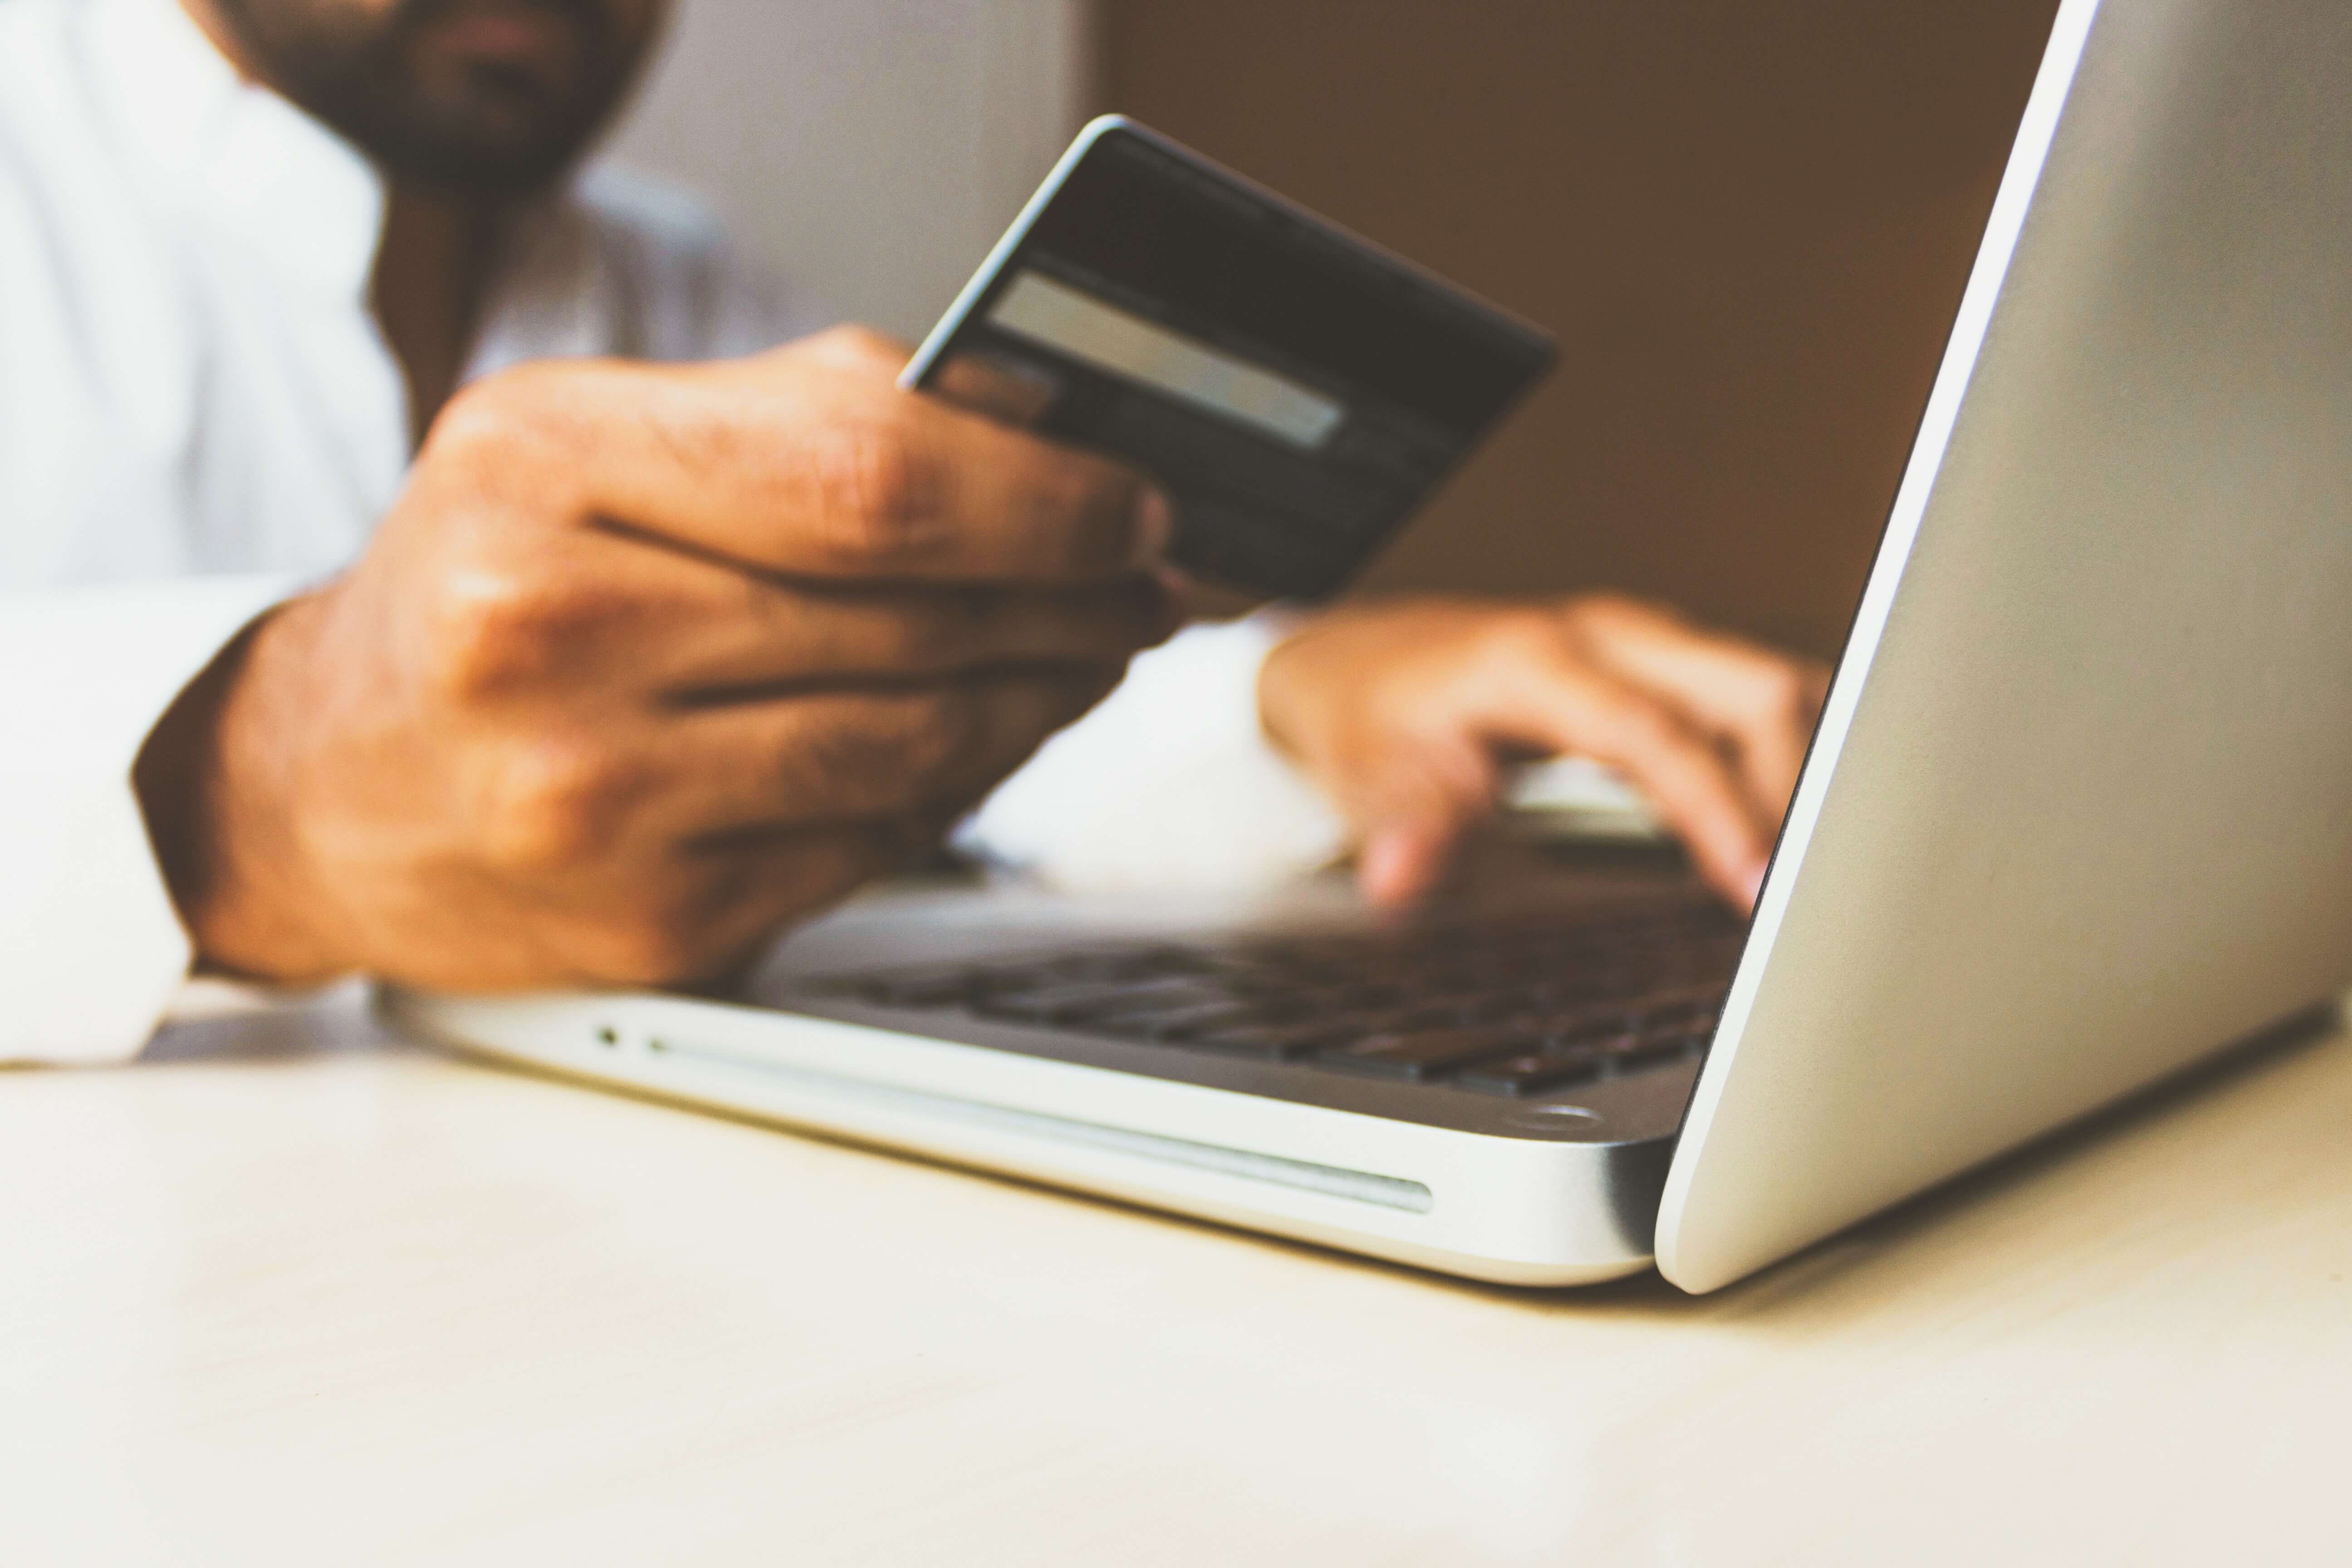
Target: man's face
{"points": [[489, 95]]}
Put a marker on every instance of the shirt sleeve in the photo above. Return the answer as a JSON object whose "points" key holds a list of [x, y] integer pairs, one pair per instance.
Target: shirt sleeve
{"points": [[1169, 784], [91, 950]]}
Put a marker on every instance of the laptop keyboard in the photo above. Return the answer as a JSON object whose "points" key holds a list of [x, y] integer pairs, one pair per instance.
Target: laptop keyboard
{"points": [[1516, 1008]]}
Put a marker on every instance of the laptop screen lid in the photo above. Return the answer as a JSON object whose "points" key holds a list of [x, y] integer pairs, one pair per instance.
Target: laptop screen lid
{"points": [[2079, 808]]}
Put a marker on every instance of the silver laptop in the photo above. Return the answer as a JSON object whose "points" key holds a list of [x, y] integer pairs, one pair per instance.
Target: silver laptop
{"points": [[2079, 811]]}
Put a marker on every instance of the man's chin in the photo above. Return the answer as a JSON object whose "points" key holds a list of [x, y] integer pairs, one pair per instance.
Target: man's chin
{"points": [[491, 145], [492, 173]]}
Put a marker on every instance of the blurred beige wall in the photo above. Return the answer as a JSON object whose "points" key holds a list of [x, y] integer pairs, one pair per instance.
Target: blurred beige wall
{"points": [[1748, 222], [870, 150]]}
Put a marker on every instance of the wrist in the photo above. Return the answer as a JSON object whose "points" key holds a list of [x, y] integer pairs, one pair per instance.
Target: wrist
{"points": [[212, 781]]}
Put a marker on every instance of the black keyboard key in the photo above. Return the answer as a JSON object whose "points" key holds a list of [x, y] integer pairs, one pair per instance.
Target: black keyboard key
{"points": [[1590, 1045], [1586, 1029], [1617, 1045], [1122, 964], [1490, 1005], [1178, 1023], [1676, 1022], [1258, 985], [1417, 1056], [1650, 1056], [923, 988], [1582, 990], [1528, 1073], [1053, 1004], [1168, 993], [1277, 1042], [1679, 1000], [1365, 998], [1391, 1019]]}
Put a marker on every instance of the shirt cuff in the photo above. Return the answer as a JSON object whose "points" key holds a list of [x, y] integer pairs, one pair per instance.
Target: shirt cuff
{"points": [[1169, 784], [91, 950]]}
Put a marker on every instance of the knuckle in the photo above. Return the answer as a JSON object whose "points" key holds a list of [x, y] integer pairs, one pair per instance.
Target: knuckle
{"points": [[477, 418], [1518, 639], [494, 631], [1608, 605], [1640, 730], [1783, 694], [492, 421], [480, 644], [879, 491], [853, 342], [550, 807], [1604, 614], [521, 440]]}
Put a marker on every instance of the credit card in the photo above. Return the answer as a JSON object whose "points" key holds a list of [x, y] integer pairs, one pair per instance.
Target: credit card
{"points": [[1299, 391]]}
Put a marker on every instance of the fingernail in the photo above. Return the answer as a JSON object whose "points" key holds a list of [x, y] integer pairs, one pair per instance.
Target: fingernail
{"points": [[1155, 526], [1394, 867], [1174, 581], [1183, 594], [1755, 885], [1385, 862]]}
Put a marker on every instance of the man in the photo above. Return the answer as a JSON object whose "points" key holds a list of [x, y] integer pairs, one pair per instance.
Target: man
{"points": [[339, 638]]}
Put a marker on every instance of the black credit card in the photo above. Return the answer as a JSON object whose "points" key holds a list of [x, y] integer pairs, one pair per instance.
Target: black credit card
{"points": [[1299, 391]]}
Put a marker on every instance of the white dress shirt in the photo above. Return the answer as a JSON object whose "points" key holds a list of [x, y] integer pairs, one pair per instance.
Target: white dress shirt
{"points": [[198, 417]]}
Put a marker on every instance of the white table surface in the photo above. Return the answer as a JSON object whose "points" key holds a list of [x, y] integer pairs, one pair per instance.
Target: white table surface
{"points": [[291, 1291]]}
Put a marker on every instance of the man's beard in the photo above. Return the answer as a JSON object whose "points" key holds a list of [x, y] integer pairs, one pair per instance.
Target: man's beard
{"points": [[487, 126]]}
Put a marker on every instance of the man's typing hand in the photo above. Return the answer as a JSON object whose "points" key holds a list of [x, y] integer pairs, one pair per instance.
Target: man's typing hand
{"points": [[1406, 712], [644, 664]]}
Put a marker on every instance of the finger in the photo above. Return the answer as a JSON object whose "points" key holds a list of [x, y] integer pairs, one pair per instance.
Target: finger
{"points": [[923, 637], [841, 756], [1759, 700], [1570, 706], [807, 464], [1400, 865], [692, 630], [1763, 702], [1413, 803], [940, 493], [864, 350]]}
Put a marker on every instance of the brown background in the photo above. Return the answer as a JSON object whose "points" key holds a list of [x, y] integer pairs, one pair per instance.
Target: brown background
{"points": [[1748, 223]]}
